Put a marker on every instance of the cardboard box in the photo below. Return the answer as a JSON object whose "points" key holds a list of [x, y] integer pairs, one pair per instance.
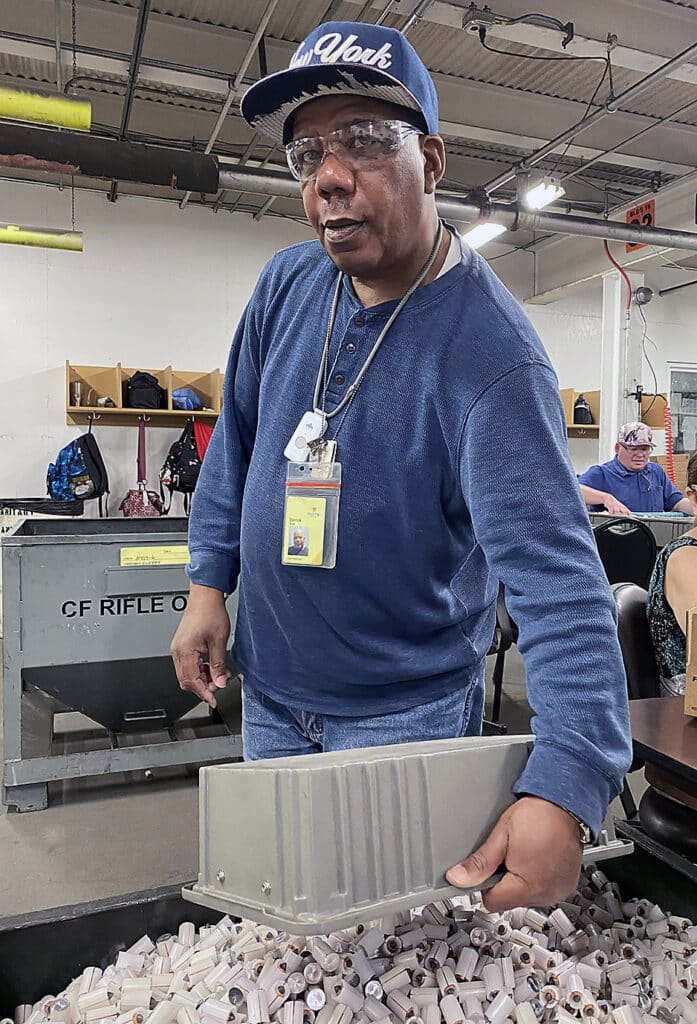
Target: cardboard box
{"points": [[691, 666], [680, 467]]}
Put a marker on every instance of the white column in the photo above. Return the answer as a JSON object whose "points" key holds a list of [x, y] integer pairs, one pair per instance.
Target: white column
{"points": [[621, 359]]}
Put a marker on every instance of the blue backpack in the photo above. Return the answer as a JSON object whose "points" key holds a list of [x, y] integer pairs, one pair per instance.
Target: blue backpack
{"points": [[79, 472]]}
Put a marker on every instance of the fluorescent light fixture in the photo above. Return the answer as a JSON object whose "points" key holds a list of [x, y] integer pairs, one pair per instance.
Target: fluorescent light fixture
{"points": [[483, 233], [45, 108], [42, 238], [543, 194]]}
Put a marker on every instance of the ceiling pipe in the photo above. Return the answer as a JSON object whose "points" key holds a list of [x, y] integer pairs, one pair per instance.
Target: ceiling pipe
{"points": [[674, 185], [236, 88], [595, 117], [416, 16], [666, 119], [463, 209], [676, 287], [94, 157], [136, 53]]}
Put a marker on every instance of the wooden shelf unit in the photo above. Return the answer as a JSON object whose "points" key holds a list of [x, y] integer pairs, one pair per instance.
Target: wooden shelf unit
{"points": [[112, 381], [568, 399]]}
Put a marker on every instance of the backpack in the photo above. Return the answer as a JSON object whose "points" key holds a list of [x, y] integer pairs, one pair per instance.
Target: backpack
{"points": [[79, 472], [181, 468], [144, 392], [582, 411]]}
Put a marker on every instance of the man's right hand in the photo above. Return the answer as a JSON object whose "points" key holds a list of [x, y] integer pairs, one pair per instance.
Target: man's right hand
{"points": [[615, 507], [203, 631]]}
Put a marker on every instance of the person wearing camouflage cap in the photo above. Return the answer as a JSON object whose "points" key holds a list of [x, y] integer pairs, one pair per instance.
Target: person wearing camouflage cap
{"points": [[631, 482]]}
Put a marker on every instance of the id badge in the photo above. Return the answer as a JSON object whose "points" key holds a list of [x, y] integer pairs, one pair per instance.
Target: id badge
{"points": [[311, 514]]}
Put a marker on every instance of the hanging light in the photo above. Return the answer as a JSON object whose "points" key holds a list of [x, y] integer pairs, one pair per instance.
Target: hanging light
{"points": [[42, 238], [545, 192], [483, 233], [45, 108]]}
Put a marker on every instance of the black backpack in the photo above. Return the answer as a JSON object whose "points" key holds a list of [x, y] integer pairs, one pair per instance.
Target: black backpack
{"points": [[144, 392], [582, 411], [181, 468], [79, 473]]}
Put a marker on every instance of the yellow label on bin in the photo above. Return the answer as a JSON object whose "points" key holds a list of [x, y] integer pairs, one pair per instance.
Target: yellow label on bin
{"points": [[173, 554]]}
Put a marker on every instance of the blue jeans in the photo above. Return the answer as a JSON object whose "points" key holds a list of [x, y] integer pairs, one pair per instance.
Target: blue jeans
{"points": [[274, 730]]}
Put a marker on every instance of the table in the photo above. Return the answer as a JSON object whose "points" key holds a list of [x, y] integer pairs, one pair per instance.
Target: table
{"points": [[666, 739]]}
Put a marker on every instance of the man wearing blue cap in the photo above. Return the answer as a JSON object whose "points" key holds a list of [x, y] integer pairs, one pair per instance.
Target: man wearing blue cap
{"points": [[387, 395]]}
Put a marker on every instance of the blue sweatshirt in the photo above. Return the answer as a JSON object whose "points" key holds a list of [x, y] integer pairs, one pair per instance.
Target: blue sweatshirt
{"points": [[455, 474]]}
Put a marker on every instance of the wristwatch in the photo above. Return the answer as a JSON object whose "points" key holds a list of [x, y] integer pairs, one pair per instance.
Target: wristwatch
{"points": [[585, 834]]}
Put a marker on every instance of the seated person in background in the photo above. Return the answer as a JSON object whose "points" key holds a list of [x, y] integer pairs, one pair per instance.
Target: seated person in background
{"points": [[629, 482], [672, 592]]}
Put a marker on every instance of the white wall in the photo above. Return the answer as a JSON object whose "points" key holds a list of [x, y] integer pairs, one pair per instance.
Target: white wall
{"points": [[571, 332], [158, 285], [155, 285]]}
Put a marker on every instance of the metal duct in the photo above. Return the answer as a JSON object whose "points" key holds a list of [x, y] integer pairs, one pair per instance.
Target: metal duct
{"points": [[43, 150], [462, 209], [73, 153]]}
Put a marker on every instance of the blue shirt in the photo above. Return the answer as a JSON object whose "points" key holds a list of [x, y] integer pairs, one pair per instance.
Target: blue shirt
{"points": [[448, 449], [648, 490]]}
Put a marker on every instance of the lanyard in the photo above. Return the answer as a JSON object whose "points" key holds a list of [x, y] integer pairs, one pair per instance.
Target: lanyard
{"points": [[321, 382]]}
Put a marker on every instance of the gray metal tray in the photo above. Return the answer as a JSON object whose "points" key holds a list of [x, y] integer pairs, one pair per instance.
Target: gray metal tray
{"points": [[312, 844], [318, 843]]}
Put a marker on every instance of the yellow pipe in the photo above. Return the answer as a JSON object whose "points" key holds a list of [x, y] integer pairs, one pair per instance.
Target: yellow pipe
{"points": [[42, 108], [43, 238]]}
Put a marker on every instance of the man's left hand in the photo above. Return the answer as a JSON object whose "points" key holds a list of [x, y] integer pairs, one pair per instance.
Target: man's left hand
{"points": [[539, 844]]}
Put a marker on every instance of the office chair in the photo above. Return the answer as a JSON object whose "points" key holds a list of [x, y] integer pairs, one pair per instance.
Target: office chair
{"points": [[662, 817], [502, 642], [643, 679], [627, 549]]}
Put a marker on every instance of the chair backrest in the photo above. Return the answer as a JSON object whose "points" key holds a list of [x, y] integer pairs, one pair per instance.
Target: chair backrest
{"points": [[643, 679], [627, 549]]}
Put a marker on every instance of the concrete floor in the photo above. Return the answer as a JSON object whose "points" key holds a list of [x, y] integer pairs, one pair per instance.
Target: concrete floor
{"points": [[104, 837]]}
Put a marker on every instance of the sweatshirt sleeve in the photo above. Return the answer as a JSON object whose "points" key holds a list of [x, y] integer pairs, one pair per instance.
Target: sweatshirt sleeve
{"points": [[529, 518], [214, 523]]}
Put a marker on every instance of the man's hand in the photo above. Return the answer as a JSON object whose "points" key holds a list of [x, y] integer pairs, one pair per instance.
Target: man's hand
{"points": [[615, 507], [204, 630], [539, 844]]}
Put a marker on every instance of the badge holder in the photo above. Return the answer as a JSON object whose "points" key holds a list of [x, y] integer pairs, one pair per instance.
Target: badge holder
{"points": [[311, 514]]}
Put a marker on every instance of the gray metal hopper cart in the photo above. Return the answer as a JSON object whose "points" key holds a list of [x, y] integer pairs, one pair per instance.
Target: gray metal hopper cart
{"points": [[90, 608]]}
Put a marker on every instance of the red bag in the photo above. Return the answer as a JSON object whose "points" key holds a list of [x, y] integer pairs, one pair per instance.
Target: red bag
{"points": [[202, 435], [140, 503]]}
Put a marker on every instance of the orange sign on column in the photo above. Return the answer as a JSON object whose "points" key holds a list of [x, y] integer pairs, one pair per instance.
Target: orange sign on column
{"points": [[643, 215]]}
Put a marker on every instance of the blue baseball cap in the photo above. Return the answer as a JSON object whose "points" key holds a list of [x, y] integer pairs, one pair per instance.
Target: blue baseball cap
{"points": [[344, 57]]}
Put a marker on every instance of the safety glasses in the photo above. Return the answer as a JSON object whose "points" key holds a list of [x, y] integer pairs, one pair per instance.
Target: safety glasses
{"points": [[357, 146], [643, 449]]}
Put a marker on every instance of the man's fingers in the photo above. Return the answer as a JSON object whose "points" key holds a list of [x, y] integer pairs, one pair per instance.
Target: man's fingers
{"points": [[217, 666], [512, 891], [193, 676], [480, 865], [202, 690]]}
